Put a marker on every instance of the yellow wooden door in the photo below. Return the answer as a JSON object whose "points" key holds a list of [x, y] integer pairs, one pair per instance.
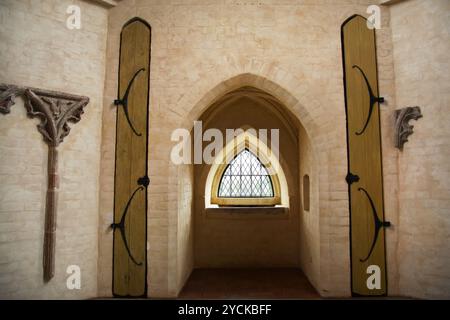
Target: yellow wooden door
{"points": [[131, 180], [365, 175]]}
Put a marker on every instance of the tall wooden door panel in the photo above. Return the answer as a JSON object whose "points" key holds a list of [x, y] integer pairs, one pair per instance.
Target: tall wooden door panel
{"points": [[131, 180], [365, 176]]}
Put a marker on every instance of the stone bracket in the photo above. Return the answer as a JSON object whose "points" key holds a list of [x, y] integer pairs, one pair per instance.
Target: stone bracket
{"points": [[402, 127], [55, 110]]}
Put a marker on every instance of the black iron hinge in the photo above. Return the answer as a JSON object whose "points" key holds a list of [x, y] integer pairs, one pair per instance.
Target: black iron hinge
{"points": [[350, 178], [144, 181]]}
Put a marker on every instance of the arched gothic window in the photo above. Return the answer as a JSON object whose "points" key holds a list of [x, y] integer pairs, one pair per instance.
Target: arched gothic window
{"points": [[245, 177], [245, 181]]}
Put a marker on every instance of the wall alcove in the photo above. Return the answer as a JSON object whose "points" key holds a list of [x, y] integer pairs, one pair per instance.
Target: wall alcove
{"points": [[251, 236]]}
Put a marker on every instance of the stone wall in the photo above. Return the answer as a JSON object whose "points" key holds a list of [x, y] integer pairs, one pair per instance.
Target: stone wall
{"points": [[185, 232], [203, 49], [421, 42], [309, 236], [36, 49]]}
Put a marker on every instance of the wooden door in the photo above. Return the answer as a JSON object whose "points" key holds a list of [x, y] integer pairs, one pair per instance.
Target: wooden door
{"points": [[365, 175], [131, 180]]}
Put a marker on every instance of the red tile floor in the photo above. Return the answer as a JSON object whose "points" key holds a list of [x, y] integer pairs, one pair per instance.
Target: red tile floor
{"points": [[248, 284]]}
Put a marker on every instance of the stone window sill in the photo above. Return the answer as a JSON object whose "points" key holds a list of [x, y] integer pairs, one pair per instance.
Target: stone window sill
{"points": [[247, 213]]}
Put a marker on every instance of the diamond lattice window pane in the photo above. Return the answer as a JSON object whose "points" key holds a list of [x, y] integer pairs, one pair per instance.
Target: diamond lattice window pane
{"points": [[263, 170], [225, 187], [256, 166], [227, 171], [245, 177], [256, 186], [235, 186], [266, 187], [246, 186], [235, 169]]}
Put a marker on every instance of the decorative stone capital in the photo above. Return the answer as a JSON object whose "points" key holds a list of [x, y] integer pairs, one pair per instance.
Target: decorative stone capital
{"points": [[54, 109], [402, 127]]}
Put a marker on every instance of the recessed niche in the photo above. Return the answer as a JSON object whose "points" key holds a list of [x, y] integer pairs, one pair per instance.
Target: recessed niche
{"points": [[306, 192]]}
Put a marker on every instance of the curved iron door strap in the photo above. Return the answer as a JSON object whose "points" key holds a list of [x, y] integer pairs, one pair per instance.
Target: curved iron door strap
{"points": [[121, 225], [373, 100], [124, 102], [378, 225]]}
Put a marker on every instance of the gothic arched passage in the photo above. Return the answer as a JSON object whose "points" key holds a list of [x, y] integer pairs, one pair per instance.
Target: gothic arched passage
{"points": [[236, 229]]}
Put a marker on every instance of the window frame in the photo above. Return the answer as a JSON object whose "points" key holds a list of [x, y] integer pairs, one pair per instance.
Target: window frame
{"points": [[245, 201]]}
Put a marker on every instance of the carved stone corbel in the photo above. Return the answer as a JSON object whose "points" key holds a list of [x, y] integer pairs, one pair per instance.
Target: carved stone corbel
{"points": [[7, 95], [402, 127], [55, 110]]}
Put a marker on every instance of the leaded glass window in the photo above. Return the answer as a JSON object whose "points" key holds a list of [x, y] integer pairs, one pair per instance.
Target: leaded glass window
{"points": [[245, 177]]}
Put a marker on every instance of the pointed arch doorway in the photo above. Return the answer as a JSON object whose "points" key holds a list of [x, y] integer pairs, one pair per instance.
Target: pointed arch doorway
{"points": [[236, 246]]}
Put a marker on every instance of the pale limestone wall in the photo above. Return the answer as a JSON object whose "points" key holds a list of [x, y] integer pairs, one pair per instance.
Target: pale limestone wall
{"points": [[202, 49], [421, 41], [36, 49], [309, 236], [185, 235], [205, 48], [389, 152]]}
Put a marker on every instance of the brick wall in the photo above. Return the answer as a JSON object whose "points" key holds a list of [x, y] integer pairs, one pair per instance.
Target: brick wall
{"points": [[36, 49], [203, 49], [420, 35]]}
